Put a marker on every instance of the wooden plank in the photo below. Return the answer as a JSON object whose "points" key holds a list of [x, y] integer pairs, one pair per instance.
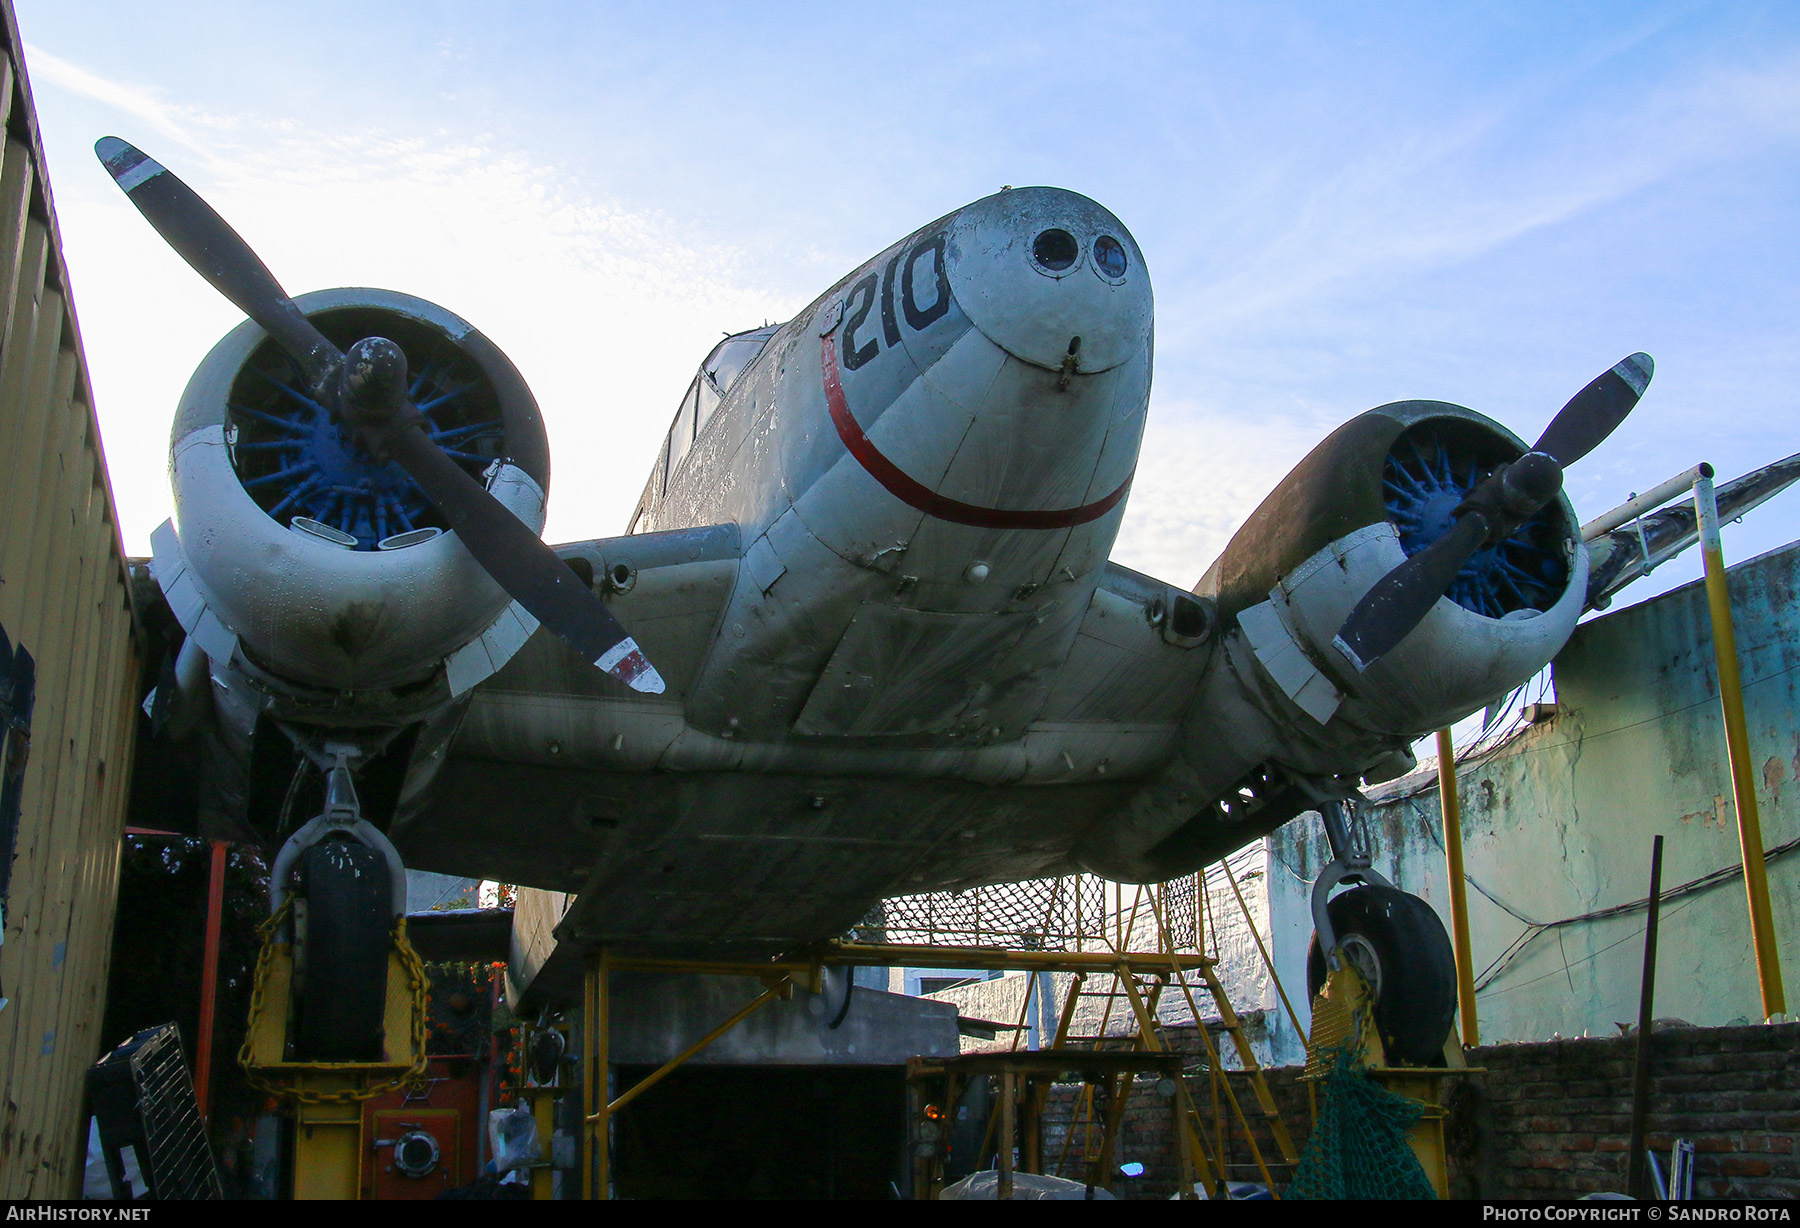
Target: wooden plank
{"points": [[81, 917], [7, 82], [25, 506], [22, 264], [56, 911], [52, 642], [89, 925], [51, 582], [16, 181], [22, 443], [64, 594], [65, 450], [25, 960], [47, 824], [102, 827], [117, 703]]}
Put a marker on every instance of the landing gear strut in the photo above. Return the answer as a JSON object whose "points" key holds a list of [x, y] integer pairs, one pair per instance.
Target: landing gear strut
{"points": [[352, 886], [1393, 940]]}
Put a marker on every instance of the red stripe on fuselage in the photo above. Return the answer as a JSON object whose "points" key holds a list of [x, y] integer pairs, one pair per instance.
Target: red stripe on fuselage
{"points": [[915, 494]]}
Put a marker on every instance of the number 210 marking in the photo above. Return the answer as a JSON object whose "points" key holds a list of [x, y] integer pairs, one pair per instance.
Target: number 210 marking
{"points": [[862, 297]]}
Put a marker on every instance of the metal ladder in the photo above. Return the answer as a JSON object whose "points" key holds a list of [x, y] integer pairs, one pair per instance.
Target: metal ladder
{"points": [[1201, 1152]]}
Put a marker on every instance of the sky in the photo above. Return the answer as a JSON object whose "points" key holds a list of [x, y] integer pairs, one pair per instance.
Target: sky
{"points": [[1340, 205]]}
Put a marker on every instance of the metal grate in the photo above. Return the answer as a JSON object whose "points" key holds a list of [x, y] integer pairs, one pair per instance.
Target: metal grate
{"points": [[1063, 913], [144, 1100], [1070, 913]]}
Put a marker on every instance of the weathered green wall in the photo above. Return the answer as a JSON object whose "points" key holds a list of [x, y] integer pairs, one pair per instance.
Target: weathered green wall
{"points": [[1558, 822]]}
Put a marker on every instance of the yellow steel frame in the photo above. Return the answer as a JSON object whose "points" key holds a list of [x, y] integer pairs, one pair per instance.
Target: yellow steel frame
{"points": [[1025, 1076], [1459, 893], [1737, 747], [1343, 1009], [599, 1105], [328, 1136]]}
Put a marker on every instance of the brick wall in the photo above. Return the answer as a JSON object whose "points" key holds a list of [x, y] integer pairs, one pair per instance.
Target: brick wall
{"points": [[1548, 1120], [1553, 1119]]}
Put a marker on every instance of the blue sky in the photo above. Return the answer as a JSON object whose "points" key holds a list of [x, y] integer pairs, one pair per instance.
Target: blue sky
{"points": [[1340, 205]]}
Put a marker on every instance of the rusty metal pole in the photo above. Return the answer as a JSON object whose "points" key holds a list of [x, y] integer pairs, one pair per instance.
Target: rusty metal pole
{"points": [[1640, 1084], [209, 978], [1737, 746], [1009, 1090], [1459, 899]]}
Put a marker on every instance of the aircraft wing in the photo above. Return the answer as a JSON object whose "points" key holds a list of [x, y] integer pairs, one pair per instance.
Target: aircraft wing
{"points": [[1634, 550], [513, 802], [562, 780]]}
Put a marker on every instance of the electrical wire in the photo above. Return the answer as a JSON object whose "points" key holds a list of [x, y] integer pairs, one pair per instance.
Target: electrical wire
{"points": [[1693, 886]]}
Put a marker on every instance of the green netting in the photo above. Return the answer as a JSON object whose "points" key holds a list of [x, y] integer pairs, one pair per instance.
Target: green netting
{"points": [[1359, 1147]]}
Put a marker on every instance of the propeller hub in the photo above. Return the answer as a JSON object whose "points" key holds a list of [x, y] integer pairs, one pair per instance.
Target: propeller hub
{"points": [[373, 382], [1529, 483]]}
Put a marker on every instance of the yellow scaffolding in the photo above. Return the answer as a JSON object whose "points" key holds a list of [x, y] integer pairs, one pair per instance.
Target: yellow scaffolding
{"points": [[1139, 978]]}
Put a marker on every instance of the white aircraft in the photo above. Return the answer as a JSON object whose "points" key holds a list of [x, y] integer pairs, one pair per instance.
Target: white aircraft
{"points": [[861, 637]]}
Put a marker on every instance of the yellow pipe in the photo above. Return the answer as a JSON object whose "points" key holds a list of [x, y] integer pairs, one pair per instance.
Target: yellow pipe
{"points": [[588, 1051], [1293, 1016], [667, 1068], [1459, 898], [543, 1112], [596, 1132], [1149, 1039], [1737, 745], [899, 955]]}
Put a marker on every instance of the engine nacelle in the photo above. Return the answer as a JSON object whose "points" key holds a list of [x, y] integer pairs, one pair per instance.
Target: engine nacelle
{"points": [[326, 569], [1375, 491], [1283, 719]]}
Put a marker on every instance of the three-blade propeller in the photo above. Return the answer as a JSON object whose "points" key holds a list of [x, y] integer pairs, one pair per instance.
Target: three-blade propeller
{"points": [[366, 388], [1491, 513]]}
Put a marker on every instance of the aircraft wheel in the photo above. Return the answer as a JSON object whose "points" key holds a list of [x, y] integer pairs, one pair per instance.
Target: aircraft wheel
{"points": [[1397, 943], [348, 922]]}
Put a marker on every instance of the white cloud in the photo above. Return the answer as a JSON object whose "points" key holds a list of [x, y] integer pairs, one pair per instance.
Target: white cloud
{"points": [[605, 310], [1437, 193], [128, 100]]}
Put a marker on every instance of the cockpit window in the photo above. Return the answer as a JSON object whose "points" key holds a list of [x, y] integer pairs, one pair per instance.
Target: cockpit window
{"points": [[732, 355], [728, 360]]}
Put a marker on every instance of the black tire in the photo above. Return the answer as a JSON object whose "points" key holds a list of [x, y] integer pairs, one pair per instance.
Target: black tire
{"points": [[1413, 967], [349, 917]]}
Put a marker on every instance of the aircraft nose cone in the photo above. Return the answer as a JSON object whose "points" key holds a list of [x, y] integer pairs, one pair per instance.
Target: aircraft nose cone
{"points": [[1036, 268]]}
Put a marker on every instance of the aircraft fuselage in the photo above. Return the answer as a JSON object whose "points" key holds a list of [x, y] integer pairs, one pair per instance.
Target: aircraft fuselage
{"points": [[932, 459]]}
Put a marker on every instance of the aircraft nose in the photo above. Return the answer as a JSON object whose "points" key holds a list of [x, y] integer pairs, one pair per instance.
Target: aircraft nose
{"points": [[1046, 274]]}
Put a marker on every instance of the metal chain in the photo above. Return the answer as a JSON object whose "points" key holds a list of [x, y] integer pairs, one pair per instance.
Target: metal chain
{"points": [[413, 1077]]}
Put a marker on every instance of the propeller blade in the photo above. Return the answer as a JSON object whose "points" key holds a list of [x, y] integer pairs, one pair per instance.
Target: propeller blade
{"points": [[1593, 413], [1400, 600], [369, 388], [218, 253], [521, 563]]}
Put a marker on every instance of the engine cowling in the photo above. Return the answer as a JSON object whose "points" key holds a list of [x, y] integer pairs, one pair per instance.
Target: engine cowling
{"points": [[1283, 719], [1376, 491], [327, 568]]}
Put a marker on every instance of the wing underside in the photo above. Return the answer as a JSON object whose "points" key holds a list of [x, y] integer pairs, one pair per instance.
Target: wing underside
{"points": [[677, 840]]}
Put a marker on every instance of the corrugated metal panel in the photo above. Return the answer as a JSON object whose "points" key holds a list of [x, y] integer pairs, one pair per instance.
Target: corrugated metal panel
{"points": [[64, 597]]}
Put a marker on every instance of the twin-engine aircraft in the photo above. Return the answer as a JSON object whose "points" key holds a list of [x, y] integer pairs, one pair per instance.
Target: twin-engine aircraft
{"points": [[861, 637]]}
